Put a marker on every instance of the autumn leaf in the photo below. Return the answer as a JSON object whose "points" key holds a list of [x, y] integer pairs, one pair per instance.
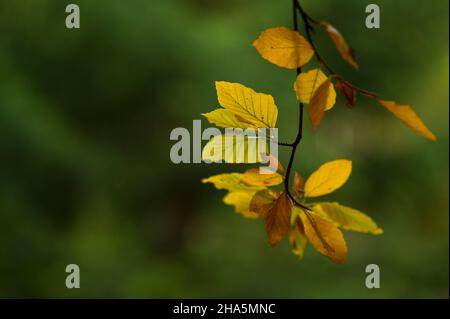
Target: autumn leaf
{"points": [[329, 177], [347, 218], [325, 237], [297, 238], [240, 194], [297, 185], [224, 118], [307, 84], [318, 103], [262, 201], [253, 177], [284, 47], [258, 110], [230, 182], [408, 116], [241, 202], [233, 148], [348, 91], [278, 219], [340, 43]]}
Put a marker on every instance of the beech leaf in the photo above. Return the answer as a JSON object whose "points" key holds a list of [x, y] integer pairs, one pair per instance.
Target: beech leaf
{"points": [[284, 47], [408, 116], [307, 84], [325, 237], [329, 177], [278, 219], [318, 103], [253, 177], [347, 218], [348, 91], [258, 110], [340, 43]]}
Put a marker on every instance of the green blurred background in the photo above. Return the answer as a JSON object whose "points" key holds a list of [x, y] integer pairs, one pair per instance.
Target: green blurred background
{"points": [[85, 173]]}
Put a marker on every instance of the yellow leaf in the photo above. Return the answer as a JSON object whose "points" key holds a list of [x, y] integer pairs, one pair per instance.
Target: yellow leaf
{"points": [[253, 177], [239, 194], [307, 84], [340, 43], [297, 239], [278, 219], [258, 110], [231, 182], [408, 116], [347, 218], [224, 118], [329, 177], [284, 47], [297, 185], [263, 201], [319, 102], [325, 237], [233, 148], [241, 202]]}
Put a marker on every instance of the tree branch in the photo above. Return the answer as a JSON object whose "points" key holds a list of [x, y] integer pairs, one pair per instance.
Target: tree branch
{"points": [[300, 127]]}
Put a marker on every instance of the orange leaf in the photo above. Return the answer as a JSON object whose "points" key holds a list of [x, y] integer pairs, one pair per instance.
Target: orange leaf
{"points": [[348, 91], [325, 237], [340, 43], [278, 219], [318, 103], [284, 47], [408, 116]]}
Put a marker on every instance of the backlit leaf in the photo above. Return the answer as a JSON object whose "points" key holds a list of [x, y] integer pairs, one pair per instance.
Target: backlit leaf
{"points": [[307, 84], [233, 148], [347, 218], [278, 219], [231, 182], [224, 118], [329, 177], [408, 116], [258, 110], [284, 47], [241, 202], [325, 237], [340, 43], [253, 177], [319, 102]]}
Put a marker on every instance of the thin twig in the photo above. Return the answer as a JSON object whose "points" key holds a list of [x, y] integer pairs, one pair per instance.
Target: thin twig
{"points": [[307, 20], [299, 130]]}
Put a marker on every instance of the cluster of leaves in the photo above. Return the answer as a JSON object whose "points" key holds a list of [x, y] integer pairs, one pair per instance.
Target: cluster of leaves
{"points": [[319, 223], [254, 195]]}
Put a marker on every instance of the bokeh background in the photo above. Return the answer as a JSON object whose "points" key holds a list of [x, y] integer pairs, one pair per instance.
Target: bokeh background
{"points": [[85, 173]]}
